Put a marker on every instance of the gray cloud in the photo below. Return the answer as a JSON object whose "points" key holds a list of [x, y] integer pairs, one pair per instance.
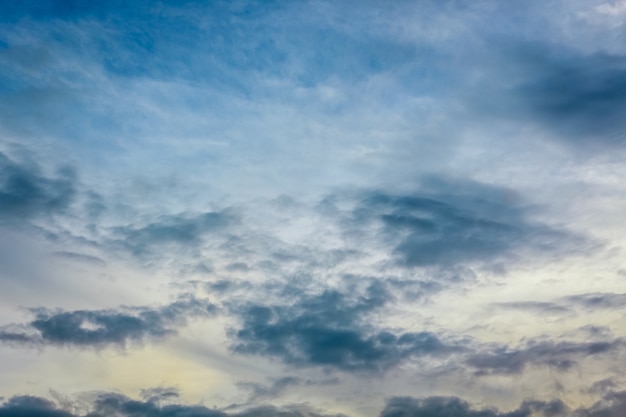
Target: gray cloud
{"points": [[612, 404], [330, 330], [25, 192], [28, 406], [179, 229], [598, 300], [453, 406], [450, 222], [271, 390], [538, 307], [110, 404], [100, 328], [558, 355], [80, 257], [581, 97]]}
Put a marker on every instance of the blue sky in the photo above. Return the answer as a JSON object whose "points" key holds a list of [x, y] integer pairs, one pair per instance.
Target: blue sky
{"points": [[312, 208]]}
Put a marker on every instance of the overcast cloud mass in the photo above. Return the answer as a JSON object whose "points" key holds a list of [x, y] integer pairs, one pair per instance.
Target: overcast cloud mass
{"points": [[312, 208]]}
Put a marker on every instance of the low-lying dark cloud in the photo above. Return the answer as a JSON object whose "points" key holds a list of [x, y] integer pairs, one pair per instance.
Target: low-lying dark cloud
{"points": [[330, 330], [447, 223], [29, 406], [613, 404], [456, 407], [111, 404], [25, 192], [557, 355], [101, 328]]}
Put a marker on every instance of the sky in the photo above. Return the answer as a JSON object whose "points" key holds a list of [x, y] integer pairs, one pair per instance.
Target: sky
{"points": [[312, 208]]}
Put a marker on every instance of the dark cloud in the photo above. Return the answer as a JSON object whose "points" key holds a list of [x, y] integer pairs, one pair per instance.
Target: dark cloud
{"points": [[100, 328], [117, 405], [558, 355], [177, 229], [25, 192], [612, 404], [581, 97], [456, 407], [120, 406], [28, 406], [330, 330], [451, 222]]}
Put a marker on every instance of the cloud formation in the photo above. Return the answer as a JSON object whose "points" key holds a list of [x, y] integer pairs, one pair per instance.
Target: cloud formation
{"points": [[25, 192], [110, 404], [454, 222], [101, 328], [330, 329], [557, 355]]}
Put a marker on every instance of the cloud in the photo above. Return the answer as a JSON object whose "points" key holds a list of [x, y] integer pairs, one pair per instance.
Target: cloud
{"points": [[179, 229], [28, 406], [453, 406], [26, 193], [101, 328], [453, 222], [80, 257], [578, 96], [276, 387], [111, 404], [558, 355], [612, 405], [598, 300], [539, 307], [158, 394], [330, 330]]}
